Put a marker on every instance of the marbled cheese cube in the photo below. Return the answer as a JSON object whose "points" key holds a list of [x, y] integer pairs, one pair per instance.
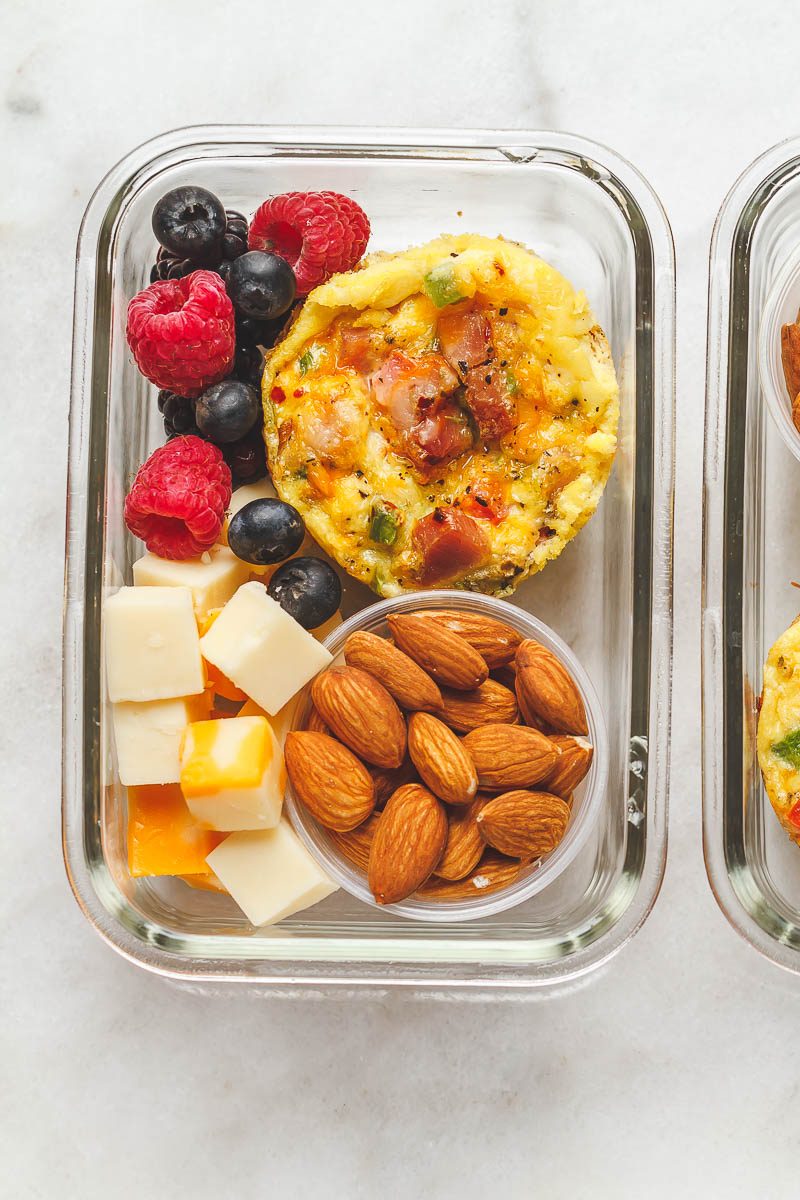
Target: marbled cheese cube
{"points": [[212, 578], [232, 773], [270, 875], [263, 650], [152, 644]]}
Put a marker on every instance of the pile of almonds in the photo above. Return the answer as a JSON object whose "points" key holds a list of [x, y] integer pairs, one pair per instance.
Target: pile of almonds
{"points": [[442, 759]]}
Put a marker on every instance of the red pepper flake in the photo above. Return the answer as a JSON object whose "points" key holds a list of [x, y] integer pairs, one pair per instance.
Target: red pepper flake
{"points": [[794, 815], [298, 392], [277, 395]]}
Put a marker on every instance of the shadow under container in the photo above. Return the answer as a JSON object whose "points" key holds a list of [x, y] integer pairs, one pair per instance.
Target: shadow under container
{"points": [[609, 595]]}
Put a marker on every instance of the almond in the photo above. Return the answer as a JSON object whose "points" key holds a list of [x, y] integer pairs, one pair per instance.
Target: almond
{"points": [[464, 845], [315, 723], [355, 844], [447, 657], [334, 786], [495, 642], [572, 765], [441, 759], [362, 714], [546, 691], [790, 357], [411, 687], [524, 824], [510, 756], [494, 872], [490, 704], [388, 780], [407, 845]]}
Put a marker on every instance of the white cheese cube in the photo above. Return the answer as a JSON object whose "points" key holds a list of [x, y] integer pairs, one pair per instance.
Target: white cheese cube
{"points": [[262, 649], [283, 720], [232, 773], [212, 578], [148, 738], [152, 644], [270, 875]]}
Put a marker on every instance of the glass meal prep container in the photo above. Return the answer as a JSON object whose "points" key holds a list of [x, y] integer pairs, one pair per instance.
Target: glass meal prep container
{"points": [[751, 501], [609, 595]]}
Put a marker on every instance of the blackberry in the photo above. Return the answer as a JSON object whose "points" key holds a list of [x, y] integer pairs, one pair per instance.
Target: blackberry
{"points": [[248, 366], [170, 266], [178, 414], [250, 332], [247, 458], [234, 243]]}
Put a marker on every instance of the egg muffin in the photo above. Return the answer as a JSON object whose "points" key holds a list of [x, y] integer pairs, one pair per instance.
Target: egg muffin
{"points": [[443, 416], [779, 729]]}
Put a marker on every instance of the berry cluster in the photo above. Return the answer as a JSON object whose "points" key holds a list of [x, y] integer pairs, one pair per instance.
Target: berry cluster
{"points": [[220, 295]]}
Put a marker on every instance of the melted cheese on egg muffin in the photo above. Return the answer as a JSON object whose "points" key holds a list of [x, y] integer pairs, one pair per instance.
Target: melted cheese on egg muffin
{"points": [[779, 729], [444, 415]]}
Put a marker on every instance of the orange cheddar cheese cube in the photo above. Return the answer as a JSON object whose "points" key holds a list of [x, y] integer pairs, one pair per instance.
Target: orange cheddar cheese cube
{"points": [[163, 836]]}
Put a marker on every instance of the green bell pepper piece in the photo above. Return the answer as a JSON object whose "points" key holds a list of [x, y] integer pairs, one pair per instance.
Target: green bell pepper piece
{"points": [[442, 286], [383, 526], [789, 749]]}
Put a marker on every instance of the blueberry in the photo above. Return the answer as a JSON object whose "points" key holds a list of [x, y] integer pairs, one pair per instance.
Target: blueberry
{"points": [[308, 589], [227, 411], [266, 531], [191, 223], [261, 285]]}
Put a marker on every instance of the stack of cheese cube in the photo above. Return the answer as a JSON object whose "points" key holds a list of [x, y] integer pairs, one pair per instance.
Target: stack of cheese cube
{"points": [[205, 789]]}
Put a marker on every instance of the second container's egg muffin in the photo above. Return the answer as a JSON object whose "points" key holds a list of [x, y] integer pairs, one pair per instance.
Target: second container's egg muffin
{"points": [[446, 415], [779, 729]]}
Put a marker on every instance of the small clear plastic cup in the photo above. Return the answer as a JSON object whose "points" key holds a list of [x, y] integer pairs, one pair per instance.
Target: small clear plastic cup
{"points": [[587, 800], [780, 308]]}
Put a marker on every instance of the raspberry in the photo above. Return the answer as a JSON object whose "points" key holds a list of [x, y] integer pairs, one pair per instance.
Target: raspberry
{"points": [[178, 499], [318, 233], [182, 332]]}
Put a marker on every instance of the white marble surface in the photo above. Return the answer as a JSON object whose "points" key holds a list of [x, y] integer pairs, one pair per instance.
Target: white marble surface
{"points": [[673, 1072]]}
